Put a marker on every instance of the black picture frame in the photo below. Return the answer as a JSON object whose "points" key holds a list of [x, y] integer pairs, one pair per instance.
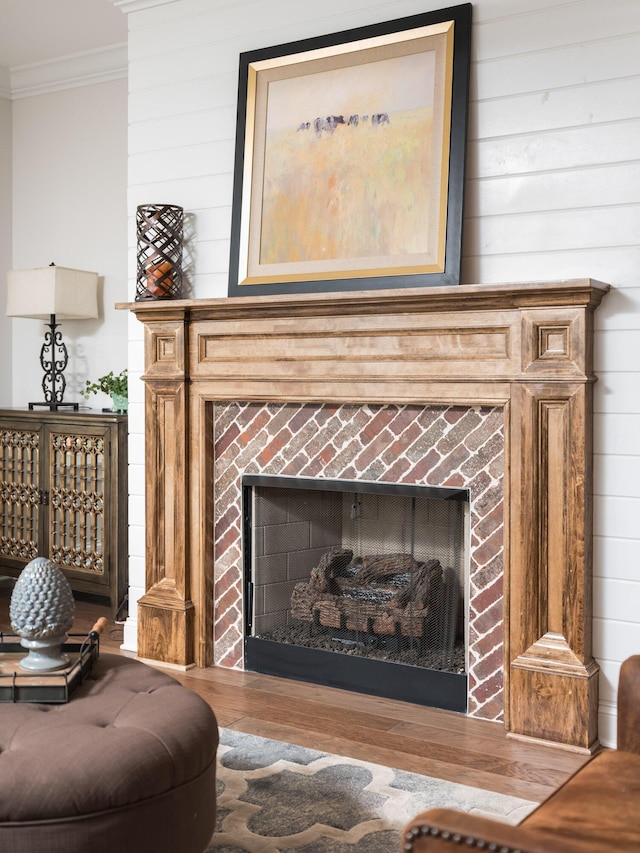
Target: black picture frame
{"points": [[352, 199]]}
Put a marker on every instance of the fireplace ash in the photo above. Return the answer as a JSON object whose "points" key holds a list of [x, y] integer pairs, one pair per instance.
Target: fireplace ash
{"points": [[410, 652]]}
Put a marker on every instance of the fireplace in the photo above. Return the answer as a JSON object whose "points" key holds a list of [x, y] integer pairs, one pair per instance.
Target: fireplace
{"points": [[522, 352], [357, 584]]}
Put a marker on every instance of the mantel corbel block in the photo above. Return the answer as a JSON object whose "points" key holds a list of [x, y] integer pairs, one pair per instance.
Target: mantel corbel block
{"points": [[165, 352]]}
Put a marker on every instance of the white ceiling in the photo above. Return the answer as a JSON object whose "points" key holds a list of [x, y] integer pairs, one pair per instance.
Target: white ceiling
{"points": [[34, 31]]}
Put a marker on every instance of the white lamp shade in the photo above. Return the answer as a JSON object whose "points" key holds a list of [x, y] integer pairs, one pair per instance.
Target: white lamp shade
{"points": [[69, 294]]}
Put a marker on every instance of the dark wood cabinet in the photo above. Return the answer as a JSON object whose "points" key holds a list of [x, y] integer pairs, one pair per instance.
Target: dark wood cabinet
{"points": [[63, 495]]}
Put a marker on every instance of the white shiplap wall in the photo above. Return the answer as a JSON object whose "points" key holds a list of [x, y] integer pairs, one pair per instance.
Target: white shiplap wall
{"points": [[553, 192]]}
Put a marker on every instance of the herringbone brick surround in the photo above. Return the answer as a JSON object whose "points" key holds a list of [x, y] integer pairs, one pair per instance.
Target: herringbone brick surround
{"points": [[456, 446]]}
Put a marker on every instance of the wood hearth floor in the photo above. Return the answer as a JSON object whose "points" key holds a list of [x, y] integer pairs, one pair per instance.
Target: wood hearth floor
{"points": [[397, 734]]}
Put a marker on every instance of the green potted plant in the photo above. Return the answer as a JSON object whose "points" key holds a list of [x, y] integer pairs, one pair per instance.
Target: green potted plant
{"points": [[117, 387]]}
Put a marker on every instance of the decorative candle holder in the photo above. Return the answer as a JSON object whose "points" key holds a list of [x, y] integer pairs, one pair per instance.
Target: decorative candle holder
{"points": [[41, 612], [159, 230]]}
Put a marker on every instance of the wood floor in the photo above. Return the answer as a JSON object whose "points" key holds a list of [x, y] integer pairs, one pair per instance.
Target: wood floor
{"points": [[397, 734]]}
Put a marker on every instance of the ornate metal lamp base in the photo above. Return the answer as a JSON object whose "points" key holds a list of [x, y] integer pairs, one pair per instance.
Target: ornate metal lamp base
{"points": [[53, 407], [53, 360]]}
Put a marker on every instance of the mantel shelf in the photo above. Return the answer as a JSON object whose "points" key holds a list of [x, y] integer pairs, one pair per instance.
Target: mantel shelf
{"points": [[468, 297]]}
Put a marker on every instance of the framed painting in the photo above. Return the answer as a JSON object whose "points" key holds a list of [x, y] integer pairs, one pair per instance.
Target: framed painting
{"points": [[350, 156]]}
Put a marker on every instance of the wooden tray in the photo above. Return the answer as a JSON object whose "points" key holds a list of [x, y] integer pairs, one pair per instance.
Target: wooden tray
{"points": [[17, 685]]}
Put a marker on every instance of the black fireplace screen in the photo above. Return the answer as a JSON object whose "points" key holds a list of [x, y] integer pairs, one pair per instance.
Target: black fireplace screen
{"points": [[369, 570]]}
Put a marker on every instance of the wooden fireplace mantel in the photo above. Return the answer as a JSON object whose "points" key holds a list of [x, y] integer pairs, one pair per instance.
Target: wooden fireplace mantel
{"points": [[527, 347]]}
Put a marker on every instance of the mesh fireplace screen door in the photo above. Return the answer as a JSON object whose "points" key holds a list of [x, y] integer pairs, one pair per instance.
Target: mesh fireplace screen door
{"points": [[366, 574]]}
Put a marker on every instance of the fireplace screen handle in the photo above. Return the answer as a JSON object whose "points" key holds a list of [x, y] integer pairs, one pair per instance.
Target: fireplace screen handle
{"points": [[249, 606]]}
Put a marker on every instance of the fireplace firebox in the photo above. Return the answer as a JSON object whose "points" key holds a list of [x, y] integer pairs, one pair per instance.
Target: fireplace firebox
{"points": [[358, 584]]}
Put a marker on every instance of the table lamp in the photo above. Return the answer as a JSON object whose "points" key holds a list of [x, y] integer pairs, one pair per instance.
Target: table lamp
{"points": [[53, 293]]}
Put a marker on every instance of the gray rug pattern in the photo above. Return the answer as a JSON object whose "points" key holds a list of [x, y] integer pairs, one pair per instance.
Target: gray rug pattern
{"points": [[275, 796]]}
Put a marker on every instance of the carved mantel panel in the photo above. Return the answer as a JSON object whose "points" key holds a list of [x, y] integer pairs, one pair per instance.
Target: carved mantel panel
{"points": [[527, 347]]}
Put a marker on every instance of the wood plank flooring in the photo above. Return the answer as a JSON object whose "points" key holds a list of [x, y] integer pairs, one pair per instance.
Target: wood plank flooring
{"points": [[410, 737]]}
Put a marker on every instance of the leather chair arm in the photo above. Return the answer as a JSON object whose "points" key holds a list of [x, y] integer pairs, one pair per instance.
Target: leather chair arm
{"points": [[629, 705], [448, 831]]}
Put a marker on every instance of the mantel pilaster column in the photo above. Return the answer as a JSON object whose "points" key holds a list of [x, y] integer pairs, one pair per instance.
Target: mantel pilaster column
{"points": [[166, 611]]}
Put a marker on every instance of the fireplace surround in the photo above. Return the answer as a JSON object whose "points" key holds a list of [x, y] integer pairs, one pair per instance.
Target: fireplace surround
{"points": [[406, 446], [524, 349]]}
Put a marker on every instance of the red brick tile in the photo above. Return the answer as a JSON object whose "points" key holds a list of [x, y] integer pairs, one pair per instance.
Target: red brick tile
{"points": [[492, 522], [489, 548], [226, 619], [489, 688], [454, 413], [493, 709], [488, 596], [231, 598], [421, 470], [372, 450], [232, 659], [485, 502], [483, 576], [401, 444], [449, 465], [226, 438], [396, 473], [228, 540], [484, 644], [295, 466], [378, 423], [229, 518], [255, 417], [489, 618], [404, 419], [274, 446], [314, 468], [224, 583]]}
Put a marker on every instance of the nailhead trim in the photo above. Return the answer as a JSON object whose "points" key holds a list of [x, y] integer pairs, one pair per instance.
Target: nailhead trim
{"points": [[455, 838]]}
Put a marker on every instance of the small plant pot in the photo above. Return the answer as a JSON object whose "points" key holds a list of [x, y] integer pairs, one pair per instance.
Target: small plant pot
{"points": [[120, 403]]}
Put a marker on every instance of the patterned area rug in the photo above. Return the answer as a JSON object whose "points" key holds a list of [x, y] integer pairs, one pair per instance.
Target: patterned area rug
{"points": [[275, 796]]}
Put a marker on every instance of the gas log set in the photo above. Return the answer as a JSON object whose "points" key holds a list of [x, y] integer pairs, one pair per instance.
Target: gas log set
{"points": [[392, 597]]}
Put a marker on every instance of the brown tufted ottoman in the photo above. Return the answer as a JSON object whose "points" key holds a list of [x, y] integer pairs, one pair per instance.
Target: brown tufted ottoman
{"points": [[126, 766]]}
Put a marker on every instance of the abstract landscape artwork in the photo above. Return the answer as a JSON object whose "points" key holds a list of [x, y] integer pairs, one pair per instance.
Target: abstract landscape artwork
{"points": [[344, 162], [332, 179]]}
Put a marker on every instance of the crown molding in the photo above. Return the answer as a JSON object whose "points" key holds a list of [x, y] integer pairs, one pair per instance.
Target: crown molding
{"points": [[68, 72], [138, 5]]}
